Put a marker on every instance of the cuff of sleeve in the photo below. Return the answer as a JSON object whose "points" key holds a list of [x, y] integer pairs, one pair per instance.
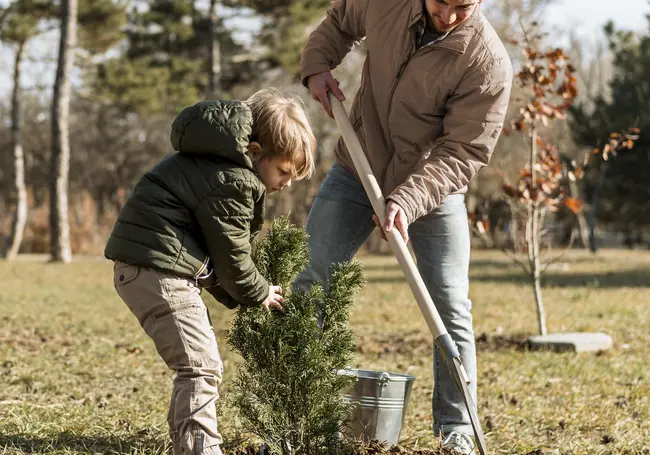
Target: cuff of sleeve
{"points": [[309, 70], [259, 298]]}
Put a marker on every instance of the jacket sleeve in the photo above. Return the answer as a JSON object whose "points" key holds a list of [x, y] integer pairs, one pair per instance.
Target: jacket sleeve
{"points": [[473, 122], [334, 37], [225, 217]]}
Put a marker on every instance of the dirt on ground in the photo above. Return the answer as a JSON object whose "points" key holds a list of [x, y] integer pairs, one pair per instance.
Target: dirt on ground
{"points": [[366, 448]]}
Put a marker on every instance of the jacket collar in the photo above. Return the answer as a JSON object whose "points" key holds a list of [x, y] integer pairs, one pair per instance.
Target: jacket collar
{"points": [[458, 39]]}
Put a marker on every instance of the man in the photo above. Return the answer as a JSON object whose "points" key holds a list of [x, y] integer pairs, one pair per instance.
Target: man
{"points": [[434, 93]]}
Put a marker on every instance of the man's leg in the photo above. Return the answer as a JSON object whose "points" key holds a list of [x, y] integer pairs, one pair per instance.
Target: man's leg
{"points": [[339, 221], [442, 247]]}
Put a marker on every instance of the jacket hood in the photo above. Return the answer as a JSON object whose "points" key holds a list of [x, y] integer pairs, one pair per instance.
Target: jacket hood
{"points": [[215, 127]]}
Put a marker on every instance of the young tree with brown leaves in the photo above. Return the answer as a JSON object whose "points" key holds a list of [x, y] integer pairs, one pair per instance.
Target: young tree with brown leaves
{"points": [[549, 82]]}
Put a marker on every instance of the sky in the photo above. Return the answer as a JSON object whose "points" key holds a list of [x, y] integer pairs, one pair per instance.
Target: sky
{"points": [[584, 18], [587, 17]]}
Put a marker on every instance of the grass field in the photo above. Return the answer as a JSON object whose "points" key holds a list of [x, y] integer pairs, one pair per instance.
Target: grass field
{"points": [[77, 375]]}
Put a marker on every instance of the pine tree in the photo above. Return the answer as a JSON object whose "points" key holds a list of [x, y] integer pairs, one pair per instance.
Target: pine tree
{"points": [[167, 61], [287, 390], [285, 26], [617, 190]]}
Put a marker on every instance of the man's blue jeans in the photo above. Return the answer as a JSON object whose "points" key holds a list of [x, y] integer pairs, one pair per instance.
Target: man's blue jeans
{"points": [[339, 222]]}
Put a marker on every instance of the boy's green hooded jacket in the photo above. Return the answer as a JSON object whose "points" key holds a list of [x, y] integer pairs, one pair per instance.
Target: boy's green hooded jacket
{"points": [[196, 212]]}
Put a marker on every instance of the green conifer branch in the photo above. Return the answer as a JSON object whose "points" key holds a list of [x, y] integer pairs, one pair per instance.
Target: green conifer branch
{"points": [[287, 391]]}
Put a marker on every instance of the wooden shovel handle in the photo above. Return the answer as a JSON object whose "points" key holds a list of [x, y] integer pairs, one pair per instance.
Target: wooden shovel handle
{"points": [[373, 190]]}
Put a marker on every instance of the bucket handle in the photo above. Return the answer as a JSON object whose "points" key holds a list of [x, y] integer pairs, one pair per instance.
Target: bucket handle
{"points": [[383, 380]]}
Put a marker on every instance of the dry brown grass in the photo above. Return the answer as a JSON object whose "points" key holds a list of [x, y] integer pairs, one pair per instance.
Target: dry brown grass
{"points": [[77, 375]]}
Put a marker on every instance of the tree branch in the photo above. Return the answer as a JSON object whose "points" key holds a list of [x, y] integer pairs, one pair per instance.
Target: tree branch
{"points": [[4, 14], [561, 254], [513, 257], [489, 243]]}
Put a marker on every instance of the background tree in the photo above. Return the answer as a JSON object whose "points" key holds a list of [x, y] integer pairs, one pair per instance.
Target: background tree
{"points": [[544, 185], [59, 225], [214, 53], [20, 214], [616, 190], [4, 13], [123, 101], [22, 19], [506, 16], [101, 25], [168, 60], [286, 26], [547, 81], [101, 22]]}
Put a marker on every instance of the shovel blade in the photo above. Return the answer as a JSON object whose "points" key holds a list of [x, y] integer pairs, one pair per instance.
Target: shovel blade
{"points": [[458, 371], [451, 356]]}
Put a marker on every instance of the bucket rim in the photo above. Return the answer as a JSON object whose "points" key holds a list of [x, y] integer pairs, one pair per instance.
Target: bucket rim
{"points": [[376, 374]]}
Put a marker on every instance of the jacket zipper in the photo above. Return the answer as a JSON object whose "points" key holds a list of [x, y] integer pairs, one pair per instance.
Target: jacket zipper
{"points": [[399, 74], [400, 71]]}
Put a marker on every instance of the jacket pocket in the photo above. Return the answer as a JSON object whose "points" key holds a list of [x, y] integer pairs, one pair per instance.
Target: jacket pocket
{"points": [[124, 273]]}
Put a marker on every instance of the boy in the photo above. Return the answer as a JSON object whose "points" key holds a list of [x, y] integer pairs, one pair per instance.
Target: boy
{"points": [[188, 225]]}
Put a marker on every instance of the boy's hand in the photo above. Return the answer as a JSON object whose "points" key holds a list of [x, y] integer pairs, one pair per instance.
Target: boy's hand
{"points": [[275, 299]]}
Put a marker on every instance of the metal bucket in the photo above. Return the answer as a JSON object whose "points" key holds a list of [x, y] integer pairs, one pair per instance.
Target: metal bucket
{"points": [[380, 400]]}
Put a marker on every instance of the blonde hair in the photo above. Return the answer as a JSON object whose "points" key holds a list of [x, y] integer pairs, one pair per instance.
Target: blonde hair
{"points": [[281, 127]]}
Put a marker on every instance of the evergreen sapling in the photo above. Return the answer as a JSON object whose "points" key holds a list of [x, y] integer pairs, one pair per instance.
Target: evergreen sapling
{"points": [[287, 391]]}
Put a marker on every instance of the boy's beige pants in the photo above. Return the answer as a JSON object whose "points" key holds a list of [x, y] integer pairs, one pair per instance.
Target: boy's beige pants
{"points": [[172, 313]]}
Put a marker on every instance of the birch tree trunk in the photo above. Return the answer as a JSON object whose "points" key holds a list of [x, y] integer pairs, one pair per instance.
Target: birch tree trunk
{"points": [[20, 216], [533, 233], [214, 57], [59, 226]]}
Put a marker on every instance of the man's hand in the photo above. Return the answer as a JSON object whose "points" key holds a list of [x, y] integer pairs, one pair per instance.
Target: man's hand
{"points": [[275, 299], [321, 83], [395, 216]]}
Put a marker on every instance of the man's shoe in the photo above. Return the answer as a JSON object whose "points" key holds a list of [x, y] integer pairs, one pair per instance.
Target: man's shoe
{"points": [[461, 443]]}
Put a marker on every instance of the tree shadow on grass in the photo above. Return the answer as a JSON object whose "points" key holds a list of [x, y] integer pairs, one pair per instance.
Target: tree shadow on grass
{"points": [[417, 343], [514, 342], [71, 442], [626, 278], [639, 277], [475, 264], [489, 263]]}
